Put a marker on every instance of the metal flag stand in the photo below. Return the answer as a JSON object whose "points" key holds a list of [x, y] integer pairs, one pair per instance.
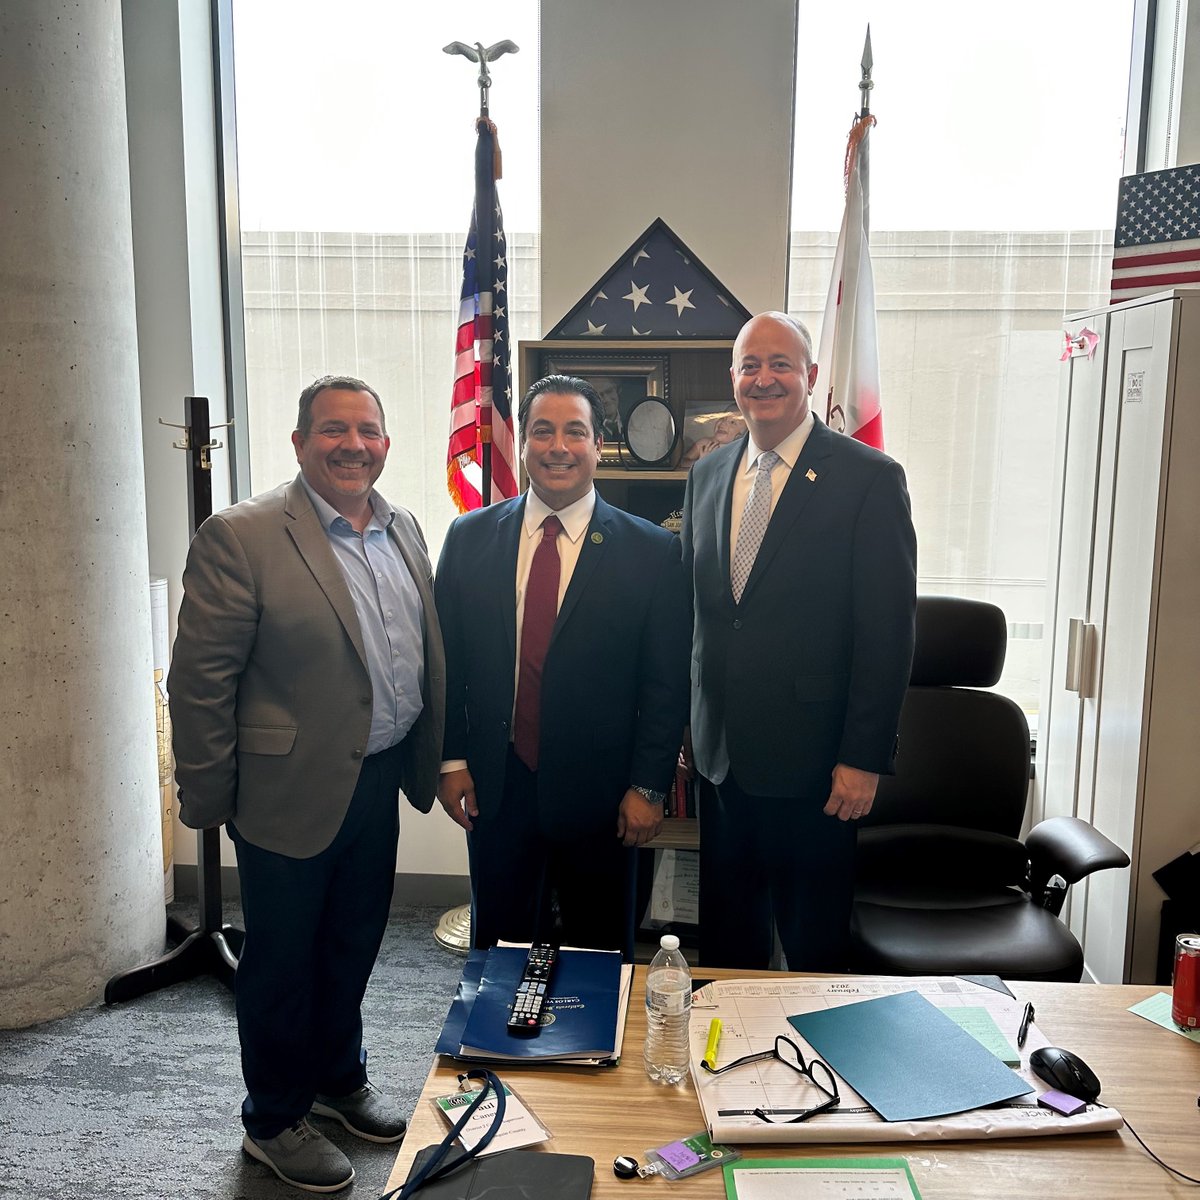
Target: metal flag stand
{"points": [[453, 930], [213, 948]]}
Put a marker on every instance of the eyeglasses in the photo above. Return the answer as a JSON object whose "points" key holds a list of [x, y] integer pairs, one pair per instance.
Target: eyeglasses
{"points": [[787, 1052]]}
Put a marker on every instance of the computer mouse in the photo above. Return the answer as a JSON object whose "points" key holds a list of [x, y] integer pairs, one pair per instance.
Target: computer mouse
{"points": [[1065, 1071]]}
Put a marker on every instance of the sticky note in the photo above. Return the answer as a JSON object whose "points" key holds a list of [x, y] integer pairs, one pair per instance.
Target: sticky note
{"points": [[1060, 1102], [678, 1155], [980, 1024]]}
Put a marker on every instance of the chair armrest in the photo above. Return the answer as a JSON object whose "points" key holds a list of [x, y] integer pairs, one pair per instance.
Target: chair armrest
{"points": [[1071, 848]]}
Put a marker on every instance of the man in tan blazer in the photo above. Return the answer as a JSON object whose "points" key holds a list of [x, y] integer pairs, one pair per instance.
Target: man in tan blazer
{"points": [[307, 690]]}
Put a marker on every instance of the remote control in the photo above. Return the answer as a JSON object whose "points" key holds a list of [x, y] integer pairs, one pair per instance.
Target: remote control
{"points": [[530, 995]]}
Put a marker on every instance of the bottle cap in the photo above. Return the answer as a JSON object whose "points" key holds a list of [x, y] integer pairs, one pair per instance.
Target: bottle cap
{"points": [[669, 941]]}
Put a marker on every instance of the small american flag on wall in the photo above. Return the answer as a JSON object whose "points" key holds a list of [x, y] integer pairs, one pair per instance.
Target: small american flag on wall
{"points": [[1156, 244]]}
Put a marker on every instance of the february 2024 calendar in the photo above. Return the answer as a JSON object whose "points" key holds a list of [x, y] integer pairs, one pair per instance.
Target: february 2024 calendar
{"points": [[753, 1013]]}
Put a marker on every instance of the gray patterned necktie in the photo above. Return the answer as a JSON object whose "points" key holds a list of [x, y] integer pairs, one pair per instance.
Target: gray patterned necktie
{"points": [[754, 523]]}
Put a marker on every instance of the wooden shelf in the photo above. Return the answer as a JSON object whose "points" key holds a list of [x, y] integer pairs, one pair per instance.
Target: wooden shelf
{"points": [[642, 474], [677, 833], [681, 372]]}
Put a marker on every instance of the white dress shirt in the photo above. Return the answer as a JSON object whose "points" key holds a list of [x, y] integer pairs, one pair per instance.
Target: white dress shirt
{"points": [[788, 451], [575, 519]]}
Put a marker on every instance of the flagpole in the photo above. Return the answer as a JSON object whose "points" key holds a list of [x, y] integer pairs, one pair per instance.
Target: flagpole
{"points": [[486, 173], [485, 192], [849, 349], [864, 87], [453, 930]]}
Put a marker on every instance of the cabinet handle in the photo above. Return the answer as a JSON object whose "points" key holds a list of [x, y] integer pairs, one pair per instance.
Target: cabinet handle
{"points": [[1076, 633], [1081, 657]]}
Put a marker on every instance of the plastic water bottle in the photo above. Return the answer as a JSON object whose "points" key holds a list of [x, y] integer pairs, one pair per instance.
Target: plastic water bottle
{"points": [[668, 1010]]}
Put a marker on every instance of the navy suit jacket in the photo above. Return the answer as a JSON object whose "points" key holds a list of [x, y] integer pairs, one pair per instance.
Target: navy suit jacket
{"points": [[615, 682], [810, 668]]}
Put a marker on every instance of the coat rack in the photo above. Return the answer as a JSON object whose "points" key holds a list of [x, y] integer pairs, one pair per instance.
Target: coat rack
{"points": [[213, 947]]}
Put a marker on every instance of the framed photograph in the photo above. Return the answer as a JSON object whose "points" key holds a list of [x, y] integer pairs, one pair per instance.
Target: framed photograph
{"points": [[708, 424], [621, 381]]}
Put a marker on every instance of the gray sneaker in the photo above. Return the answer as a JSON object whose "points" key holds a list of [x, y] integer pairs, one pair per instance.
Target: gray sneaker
{"points": [[367, 1113], [304, 1158]]}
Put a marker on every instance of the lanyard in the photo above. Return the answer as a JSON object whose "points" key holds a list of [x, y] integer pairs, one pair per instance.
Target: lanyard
{"points": [[435, 1167]]}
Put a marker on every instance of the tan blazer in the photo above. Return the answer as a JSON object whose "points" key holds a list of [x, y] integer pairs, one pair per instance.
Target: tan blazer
{"points": [[269, 691]]}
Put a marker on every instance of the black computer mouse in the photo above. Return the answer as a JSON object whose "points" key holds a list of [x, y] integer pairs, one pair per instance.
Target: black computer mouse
{"points": [[1065, 1071]]}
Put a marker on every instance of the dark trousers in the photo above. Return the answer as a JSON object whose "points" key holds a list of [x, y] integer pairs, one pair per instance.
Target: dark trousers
{"points": [[764, 857], [516, 871], [313, 931]]}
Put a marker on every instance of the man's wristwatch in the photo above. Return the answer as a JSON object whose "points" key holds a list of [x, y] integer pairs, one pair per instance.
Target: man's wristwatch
{"points": [[650, 794]]}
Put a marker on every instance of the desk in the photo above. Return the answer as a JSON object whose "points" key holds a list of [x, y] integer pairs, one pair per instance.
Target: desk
{"points": [[1150, 1075]]}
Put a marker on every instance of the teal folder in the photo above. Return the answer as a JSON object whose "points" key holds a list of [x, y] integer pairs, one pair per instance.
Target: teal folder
{"points": [[906, 1058]]}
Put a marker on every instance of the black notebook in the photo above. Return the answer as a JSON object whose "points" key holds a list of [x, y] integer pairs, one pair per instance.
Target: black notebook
{"points": [[511, 1175]]}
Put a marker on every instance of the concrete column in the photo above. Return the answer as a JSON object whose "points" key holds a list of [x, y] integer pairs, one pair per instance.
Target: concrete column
{"points": [[80, 851]]}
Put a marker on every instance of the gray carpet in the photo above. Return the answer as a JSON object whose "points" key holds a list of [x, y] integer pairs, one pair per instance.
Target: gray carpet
{"points": [[142, 1100]]}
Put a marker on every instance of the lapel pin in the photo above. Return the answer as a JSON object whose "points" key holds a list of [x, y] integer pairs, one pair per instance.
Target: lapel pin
{"points": [[810, 475], [597, 538]]}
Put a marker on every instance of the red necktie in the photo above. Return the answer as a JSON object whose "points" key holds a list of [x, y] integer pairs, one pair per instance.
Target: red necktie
{"points": [[541, 610]]}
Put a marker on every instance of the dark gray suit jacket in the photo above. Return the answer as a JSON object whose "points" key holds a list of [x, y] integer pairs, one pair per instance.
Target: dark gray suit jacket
{"points": [[269, 690], [810, 668]]}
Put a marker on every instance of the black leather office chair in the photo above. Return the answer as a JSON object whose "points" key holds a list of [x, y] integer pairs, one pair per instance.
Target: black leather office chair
{"points": [[945, 886]]}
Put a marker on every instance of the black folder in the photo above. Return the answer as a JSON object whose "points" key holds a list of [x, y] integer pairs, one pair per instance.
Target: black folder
{"points": [[510, 1175]]}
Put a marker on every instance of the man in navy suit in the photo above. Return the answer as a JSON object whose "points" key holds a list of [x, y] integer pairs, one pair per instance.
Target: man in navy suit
{"points": [[566, 624], [799, 545]]}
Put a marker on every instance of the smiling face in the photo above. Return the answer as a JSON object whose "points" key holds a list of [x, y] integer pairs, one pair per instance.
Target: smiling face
{"points": [[561, 450], [343, 452], [728, 429], [772, 378]]}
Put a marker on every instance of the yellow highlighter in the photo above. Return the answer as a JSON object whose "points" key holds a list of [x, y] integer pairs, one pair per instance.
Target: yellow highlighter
{"points": [[714, 1039]]}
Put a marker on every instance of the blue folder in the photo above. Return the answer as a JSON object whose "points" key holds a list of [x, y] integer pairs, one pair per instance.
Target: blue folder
{"points": [[583, 1005]]}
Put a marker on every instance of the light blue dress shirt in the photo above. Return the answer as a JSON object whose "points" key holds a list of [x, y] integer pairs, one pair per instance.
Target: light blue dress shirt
{"points": [[389, 615]]}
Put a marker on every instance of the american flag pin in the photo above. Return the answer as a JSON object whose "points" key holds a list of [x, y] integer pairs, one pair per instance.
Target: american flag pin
{"points": [[597, 538], [810, 475]]}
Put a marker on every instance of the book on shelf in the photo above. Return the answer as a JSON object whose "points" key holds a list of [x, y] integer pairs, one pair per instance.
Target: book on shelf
{"points": [[681, 799], [586, 1006]]}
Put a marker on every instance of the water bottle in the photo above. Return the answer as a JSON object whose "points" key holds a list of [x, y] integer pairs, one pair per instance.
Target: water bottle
{"points": [[668, 1010]]}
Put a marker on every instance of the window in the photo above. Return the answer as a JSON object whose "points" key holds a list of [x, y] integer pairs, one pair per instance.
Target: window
{"points": [[356, 146], [993, 192]]}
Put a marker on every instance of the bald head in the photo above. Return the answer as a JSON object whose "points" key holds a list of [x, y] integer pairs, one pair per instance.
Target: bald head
{"points": [[773, 375]]}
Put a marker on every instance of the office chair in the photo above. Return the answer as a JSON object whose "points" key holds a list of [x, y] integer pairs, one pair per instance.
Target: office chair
{"points": [[944, 885]]}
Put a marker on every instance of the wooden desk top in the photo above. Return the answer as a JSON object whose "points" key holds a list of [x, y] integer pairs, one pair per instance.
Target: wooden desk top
{"points": [[1152, 1076]]}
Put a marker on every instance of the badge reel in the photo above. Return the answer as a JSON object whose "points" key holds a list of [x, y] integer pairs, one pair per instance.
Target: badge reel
{"points": [[677, 1160]]}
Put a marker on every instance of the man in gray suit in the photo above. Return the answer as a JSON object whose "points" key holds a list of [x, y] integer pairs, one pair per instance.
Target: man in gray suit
{"points": [[801, 552], [307, 689]]}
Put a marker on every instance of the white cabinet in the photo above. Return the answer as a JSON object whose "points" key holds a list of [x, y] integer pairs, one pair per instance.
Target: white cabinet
{"points": [[1119, 742]]}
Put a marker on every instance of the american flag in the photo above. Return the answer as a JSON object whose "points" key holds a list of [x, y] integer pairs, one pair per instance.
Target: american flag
{"points": [[849, 354], [481, 409], [1157, 240], [657, 289]]}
